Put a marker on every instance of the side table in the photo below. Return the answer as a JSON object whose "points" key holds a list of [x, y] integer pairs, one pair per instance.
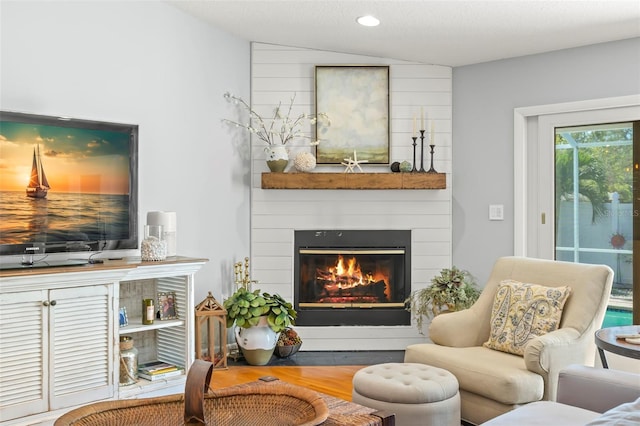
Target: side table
{"points": [[607, 340]]}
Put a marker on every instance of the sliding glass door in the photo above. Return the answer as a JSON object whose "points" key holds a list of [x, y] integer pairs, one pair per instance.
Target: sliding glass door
{"points": [[596, 196]]}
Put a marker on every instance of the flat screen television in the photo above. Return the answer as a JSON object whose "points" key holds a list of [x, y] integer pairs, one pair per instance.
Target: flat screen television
{"points": [[66, 185]]}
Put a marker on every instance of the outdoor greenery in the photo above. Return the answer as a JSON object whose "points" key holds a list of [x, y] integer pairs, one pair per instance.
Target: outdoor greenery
{"points": [[603, 168]]}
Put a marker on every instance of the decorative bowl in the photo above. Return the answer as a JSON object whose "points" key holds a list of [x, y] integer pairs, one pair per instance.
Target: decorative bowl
{"points": [[287, 350]]}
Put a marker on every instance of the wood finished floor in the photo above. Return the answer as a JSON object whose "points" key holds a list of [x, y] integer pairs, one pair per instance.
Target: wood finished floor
{"points": [[331, 380]]}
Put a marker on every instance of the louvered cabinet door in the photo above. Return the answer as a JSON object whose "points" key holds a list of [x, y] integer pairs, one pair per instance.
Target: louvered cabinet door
{"points": [[23, 351], [81, 336]]}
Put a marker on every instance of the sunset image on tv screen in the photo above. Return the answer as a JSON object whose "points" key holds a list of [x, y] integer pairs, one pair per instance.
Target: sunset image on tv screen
{"points": [[61, 183]]}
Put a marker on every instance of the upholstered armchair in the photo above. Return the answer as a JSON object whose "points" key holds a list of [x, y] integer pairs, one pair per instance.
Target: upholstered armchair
{"points": [[492, 381]]}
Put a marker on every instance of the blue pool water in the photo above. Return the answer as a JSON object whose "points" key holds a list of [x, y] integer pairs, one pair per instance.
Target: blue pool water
{"points": [[617, 317]]}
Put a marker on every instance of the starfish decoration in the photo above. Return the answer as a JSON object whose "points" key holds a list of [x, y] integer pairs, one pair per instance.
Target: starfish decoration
{"points": [[353, 162]]}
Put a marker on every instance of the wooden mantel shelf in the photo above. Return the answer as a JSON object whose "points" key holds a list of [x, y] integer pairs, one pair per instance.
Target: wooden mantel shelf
{"points": [[354, 181]]}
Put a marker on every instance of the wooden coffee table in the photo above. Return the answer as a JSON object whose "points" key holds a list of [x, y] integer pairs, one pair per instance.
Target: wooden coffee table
{"points": [[607, 340]]}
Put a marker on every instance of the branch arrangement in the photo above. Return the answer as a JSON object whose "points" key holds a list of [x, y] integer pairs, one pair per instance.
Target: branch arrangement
{"points": [[280, 129]]}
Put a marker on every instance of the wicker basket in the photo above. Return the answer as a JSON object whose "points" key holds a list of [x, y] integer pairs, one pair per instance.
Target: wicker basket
{"points": [[274, 404]]}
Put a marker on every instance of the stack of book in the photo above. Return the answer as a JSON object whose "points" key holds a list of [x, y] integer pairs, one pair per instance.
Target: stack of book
{"points": [[157, 370]]}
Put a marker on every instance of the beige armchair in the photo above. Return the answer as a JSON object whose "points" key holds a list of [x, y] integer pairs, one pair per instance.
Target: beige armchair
{"points": [[494, 382]]}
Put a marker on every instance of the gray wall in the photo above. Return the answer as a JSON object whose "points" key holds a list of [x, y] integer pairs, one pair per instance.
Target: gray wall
{"points": [[484, 97], [146, 63]]}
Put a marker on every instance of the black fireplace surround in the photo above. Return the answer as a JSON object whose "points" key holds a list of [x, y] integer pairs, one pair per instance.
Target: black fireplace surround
{"points": [[352, 277]]}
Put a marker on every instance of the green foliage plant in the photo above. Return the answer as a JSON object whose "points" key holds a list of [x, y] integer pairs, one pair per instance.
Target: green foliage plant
{"points": [[605, 159], [452, 290], [244, 309]]}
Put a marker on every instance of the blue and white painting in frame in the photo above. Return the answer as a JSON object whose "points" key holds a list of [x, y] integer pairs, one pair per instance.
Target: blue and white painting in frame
{"points": [[356, 99]]}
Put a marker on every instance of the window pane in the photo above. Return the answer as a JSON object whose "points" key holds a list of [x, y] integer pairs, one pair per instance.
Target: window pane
{"points": [[594, 205]]}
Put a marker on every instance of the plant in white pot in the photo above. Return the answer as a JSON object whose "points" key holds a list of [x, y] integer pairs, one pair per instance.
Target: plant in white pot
{"points": [[258, 319], [452, 290]]}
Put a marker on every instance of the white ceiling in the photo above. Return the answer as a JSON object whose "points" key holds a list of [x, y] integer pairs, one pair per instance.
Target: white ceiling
{"points": [[453, 32]]}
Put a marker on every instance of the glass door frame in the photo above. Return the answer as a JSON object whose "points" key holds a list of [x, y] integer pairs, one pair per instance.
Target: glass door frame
{"points": [[534, 163]]}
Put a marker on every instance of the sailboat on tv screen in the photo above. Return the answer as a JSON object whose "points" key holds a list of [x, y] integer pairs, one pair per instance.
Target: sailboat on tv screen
{"points": [[38, 184]]}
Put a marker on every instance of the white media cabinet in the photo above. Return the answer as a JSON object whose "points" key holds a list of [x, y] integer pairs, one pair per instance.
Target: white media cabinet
{"points": [[60, 332]]}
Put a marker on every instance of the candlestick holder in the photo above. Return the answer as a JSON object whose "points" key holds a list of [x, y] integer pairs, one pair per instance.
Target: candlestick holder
{"points": [[422, 151], [413, 166], [431, 169]]}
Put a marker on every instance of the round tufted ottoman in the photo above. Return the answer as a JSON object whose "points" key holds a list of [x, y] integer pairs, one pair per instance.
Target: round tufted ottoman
{"points": [[418, 394]]}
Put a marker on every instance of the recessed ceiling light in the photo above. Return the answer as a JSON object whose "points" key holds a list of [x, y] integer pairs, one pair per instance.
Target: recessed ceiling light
{"points": [[368, 21]]}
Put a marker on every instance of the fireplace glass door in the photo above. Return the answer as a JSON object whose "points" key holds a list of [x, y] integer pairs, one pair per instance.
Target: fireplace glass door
{"points": [[352, 277]]}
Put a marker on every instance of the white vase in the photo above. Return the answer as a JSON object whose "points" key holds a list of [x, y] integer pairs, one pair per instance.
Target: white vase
{"points": [[258, 342], [277, 157]]}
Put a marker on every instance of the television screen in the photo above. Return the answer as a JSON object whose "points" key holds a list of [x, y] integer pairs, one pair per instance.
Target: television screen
{"points": [[66, 185]]}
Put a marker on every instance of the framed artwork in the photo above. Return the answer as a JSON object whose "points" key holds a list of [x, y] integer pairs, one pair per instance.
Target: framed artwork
{"points": [[122, 317], [167, 305], [356, 99]]}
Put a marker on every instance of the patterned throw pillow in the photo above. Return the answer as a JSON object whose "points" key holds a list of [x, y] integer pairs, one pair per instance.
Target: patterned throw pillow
{"points": [[522, 312]]}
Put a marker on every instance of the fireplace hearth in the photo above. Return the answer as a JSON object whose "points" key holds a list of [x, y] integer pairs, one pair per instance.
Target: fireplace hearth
{"points": [[352, 277]]}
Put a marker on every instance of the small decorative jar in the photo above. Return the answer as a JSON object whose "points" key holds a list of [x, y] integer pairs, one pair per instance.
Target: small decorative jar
{"points": [[153, 247], [128, 361]]}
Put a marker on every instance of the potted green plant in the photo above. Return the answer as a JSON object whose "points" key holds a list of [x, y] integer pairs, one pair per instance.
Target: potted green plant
{"points": [[258, 319], [244, 309], [452, 290]]}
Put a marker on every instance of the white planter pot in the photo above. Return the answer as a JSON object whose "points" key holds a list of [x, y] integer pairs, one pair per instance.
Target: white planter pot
{"points": [[277, 158], [257, 343]]}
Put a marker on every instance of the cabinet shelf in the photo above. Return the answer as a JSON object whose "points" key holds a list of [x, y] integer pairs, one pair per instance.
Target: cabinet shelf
{"points": [[354, 181], [136, 326], [145, 387], [101, 290]]}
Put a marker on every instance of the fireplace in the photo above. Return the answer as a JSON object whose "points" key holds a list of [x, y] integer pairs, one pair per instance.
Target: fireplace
{"points": [[352, 277]]}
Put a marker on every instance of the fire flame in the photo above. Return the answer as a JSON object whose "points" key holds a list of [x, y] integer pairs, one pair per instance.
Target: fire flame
{"points": [[351, 269]]}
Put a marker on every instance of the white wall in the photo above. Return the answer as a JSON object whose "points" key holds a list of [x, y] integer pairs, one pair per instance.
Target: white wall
{"points": [[484, 97], [150, 64], [279, 71]]}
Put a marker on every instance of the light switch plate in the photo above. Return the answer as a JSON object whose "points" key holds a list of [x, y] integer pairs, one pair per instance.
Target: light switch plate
{"points": [[496, 212]]}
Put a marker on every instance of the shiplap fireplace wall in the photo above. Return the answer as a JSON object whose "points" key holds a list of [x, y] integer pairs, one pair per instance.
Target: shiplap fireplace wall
{"points": [[277, 72]]}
